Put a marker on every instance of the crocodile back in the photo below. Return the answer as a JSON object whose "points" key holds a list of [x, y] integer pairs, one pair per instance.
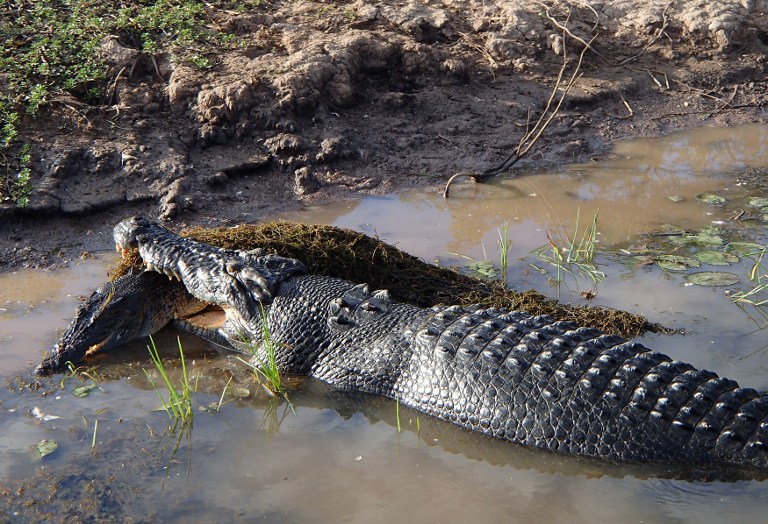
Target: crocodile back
{"points": [[523, 378], [576, 390]]}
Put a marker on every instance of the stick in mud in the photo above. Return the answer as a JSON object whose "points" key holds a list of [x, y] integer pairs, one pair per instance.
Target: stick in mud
{"points": [[532, 136]]}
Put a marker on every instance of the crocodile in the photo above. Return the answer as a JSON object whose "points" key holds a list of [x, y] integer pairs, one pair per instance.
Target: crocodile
{"points": [[526, 379]]}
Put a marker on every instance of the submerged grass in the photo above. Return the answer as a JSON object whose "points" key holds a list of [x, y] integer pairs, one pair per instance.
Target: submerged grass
{"points": [[179, 402]]}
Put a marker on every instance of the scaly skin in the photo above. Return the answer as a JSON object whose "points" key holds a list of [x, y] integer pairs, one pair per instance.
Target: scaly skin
{"points": [[509, 375]]}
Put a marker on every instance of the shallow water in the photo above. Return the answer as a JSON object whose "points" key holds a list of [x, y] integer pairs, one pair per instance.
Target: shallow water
{"points": [[340, 457]]}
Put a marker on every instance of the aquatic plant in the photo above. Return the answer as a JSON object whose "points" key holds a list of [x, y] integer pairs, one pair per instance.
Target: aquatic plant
{"points": [[504, 244], [573, 254], [757, 296], [179, 402], [264, 361]]}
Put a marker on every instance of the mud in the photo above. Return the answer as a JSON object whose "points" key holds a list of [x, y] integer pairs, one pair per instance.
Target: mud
{"points": [[333, 100]]}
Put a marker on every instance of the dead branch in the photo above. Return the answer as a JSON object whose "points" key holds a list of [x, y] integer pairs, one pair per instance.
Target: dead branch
{"points": [[566, 31], [482, 50], [629, 108], [661, 32], [533, 134]]}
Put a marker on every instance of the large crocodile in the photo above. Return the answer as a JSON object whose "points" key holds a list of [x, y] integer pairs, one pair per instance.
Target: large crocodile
{"points": [[507, 374]]}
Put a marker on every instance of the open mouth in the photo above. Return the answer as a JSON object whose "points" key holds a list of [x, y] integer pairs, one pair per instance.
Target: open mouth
{"points": [[212, 317]]}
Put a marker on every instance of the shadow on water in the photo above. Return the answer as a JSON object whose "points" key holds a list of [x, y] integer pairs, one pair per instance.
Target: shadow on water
{"points": [[341, 457]]}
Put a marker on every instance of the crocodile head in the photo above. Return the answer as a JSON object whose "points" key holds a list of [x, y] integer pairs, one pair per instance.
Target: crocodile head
{"points": [[132, 306]]}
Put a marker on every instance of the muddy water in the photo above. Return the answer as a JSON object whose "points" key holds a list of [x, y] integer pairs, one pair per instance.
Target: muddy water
{"points": [[341, 457]]}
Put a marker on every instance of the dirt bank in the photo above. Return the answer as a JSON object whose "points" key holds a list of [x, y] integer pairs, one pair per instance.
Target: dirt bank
{"points": [[330, 100]]}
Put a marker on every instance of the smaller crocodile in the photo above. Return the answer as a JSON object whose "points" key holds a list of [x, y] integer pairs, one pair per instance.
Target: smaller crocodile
{"points": [[526, 379]]}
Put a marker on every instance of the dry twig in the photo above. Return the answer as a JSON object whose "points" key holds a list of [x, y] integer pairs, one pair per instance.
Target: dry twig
{"points": [[532, 136], [661, 32]]}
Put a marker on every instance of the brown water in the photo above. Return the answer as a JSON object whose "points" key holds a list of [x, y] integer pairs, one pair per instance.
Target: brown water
{"points": [[341, 458]]}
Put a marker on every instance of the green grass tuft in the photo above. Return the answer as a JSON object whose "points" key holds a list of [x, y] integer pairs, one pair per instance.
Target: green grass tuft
{"points": [[179, 402], [573, 255], [265, 368]]}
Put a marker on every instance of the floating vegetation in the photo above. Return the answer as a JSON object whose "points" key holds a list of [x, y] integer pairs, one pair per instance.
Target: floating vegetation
{"points": [[716, 258], [709, 198], [676, 198], [743, 248], [46, 446], [760, 202], [676, 262], [705, 237], [483, 269], [84, 391], [712, 278]]}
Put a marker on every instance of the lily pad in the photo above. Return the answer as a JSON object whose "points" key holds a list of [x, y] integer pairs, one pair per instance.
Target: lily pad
{"points": [[716, 258], [669, 230], [704, 238], [45, 447], [709, 198], [712, 278], [743, 248], [676, 262], [84, 391], [483, 268], [238, 392], [676, 198], [758, 202]]}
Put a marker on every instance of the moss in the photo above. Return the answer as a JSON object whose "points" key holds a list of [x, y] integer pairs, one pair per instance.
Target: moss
{"points": [[353, 256]]}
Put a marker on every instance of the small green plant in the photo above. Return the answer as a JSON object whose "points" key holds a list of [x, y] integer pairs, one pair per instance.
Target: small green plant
{"points": [[485, 268], [95, 429], [574, 254], [757, 296], [504, 244], [179, 403], [266, 368]]}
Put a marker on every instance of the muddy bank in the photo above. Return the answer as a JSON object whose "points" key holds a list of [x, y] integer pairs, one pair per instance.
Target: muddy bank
{"points": [[326, 101]]}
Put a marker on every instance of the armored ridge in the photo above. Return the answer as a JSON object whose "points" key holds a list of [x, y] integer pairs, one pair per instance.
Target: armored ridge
{"points": [[507, 374]]}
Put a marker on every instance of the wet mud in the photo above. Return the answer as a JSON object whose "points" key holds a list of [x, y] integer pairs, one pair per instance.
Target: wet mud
{"points": [[329, 101]]}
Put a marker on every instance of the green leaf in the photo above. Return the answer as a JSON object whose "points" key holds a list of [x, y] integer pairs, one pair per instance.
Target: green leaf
{"points": [[483, 268], [716, 258], [758, 202], [743, 248], [712, 278], [705, 238], [45, 447], [676, 262], [238, 392], [709, 198], [84, 391]]}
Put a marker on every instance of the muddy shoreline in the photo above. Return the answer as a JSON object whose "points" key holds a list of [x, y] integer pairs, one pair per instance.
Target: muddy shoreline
{"points": [[332, 101]]}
